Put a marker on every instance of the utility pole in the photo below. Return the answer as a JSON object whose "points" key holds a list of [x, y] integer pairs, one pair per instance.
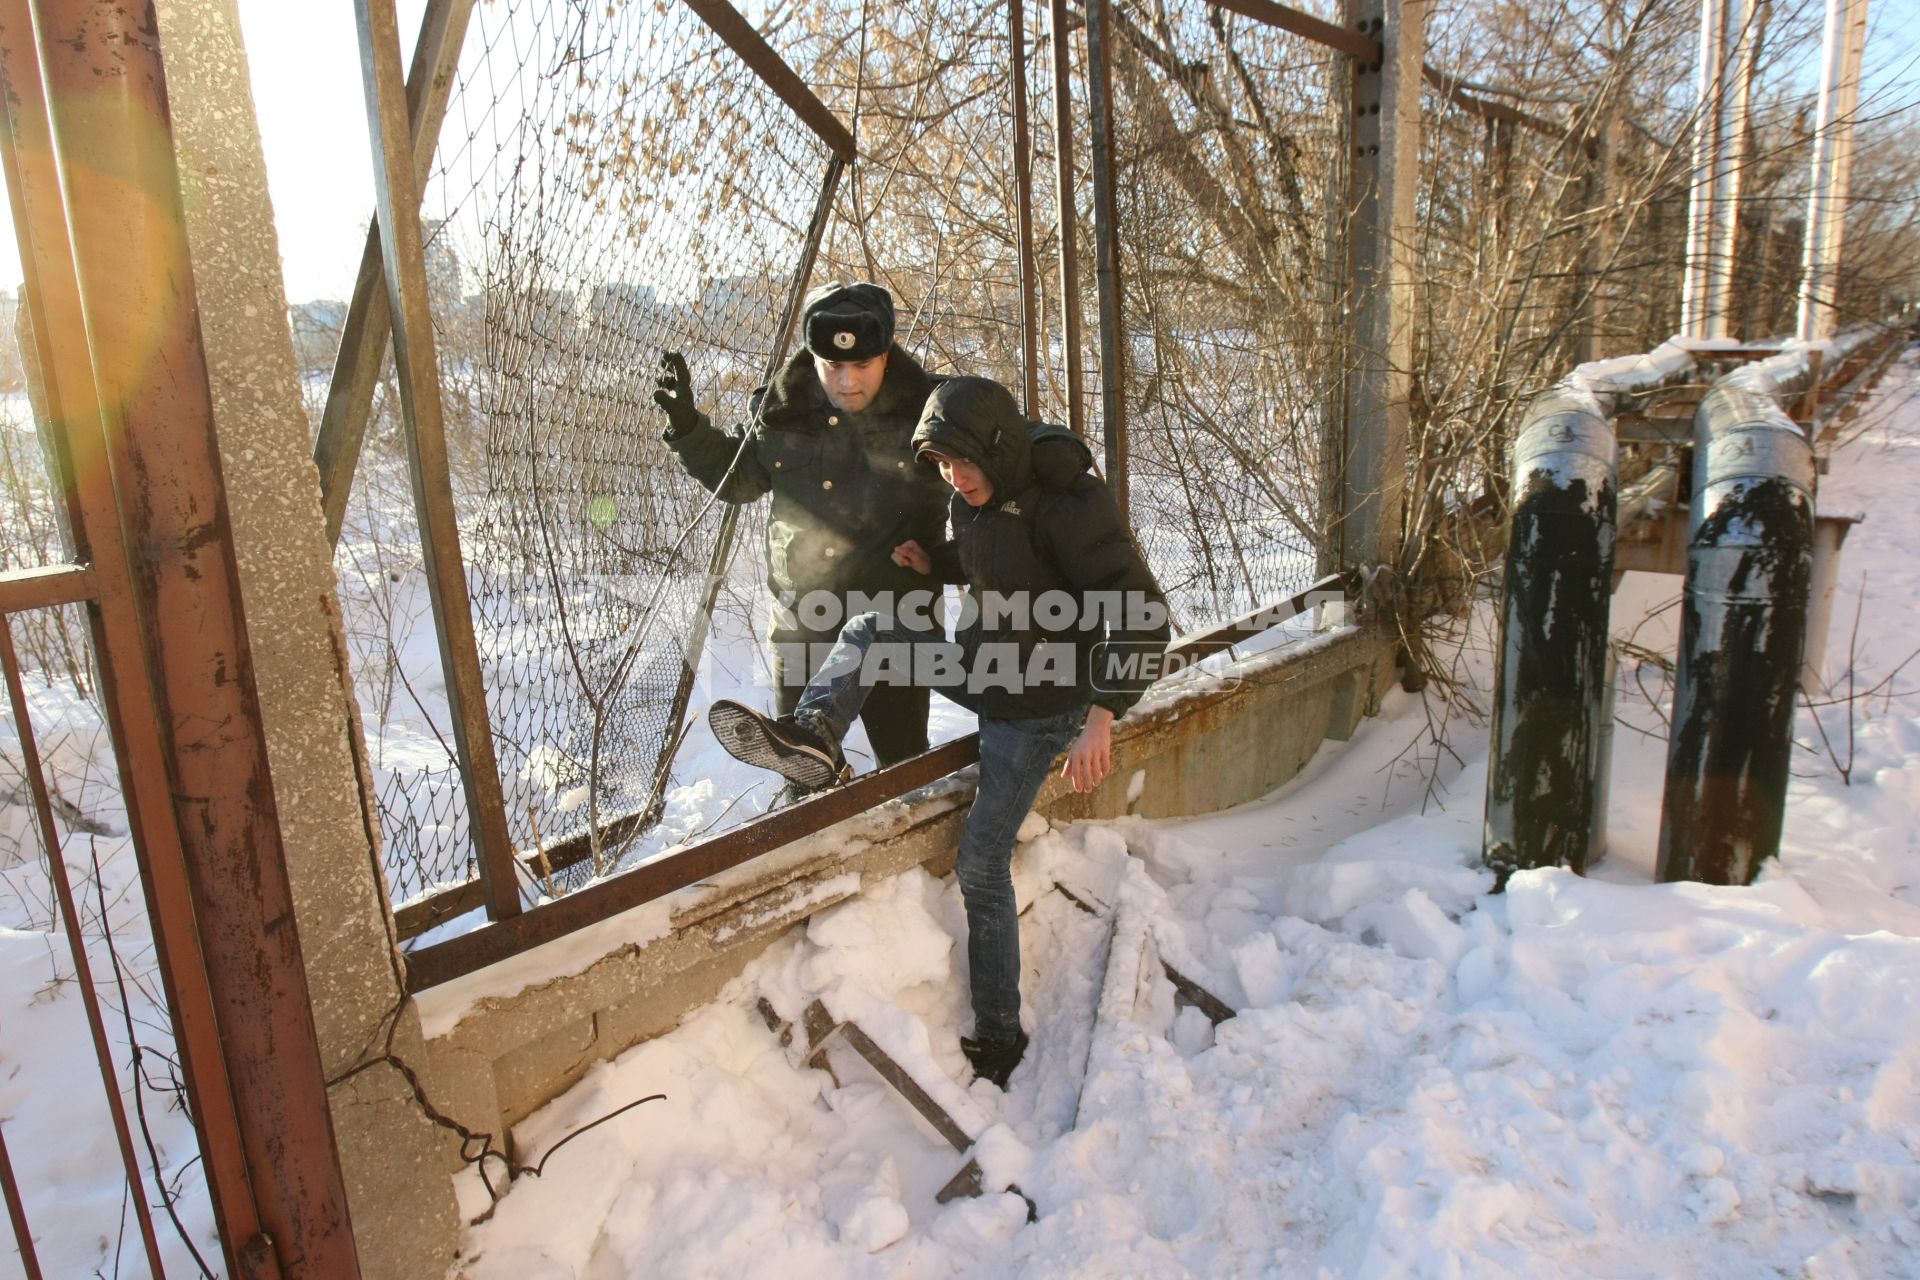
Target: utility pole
{"points": [[1727, 44], [1832, 167]]}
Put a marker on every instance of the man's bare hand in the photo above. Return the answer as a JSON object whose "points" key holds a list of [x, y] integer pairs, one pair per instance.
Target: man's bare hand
{"points": [[1090, 759], [911, 555]]}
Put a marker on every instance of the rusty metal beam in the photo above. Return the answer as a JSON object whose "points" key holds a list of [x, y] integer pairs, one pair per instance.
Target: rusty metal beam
{"points": [[66, 373], [447, 960], [45, 588], [1106, 241], [1254, 622], [444, 961], [740, 36], [418, 369], [106, 96], [1064, 212], [1023, 207], [1315, 29], [369, 323], [1453, 89]]}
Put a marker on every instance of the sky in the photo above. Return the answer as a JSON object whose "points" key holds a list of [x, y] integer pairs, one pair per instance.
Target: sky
{"points": [[305, 69]]}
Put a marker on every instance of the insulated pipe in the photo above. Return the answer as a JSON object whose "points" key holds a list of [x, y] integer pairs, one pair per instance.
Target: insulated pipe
{"points": [[1550, 690], [1743, 627]]}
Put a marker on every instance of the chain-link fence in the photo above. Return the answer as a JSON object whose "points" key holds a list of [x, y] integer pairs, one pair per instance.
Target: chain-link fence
{"points": [[613, 180], [1224, 147], [610, 181], [1226, 141]]}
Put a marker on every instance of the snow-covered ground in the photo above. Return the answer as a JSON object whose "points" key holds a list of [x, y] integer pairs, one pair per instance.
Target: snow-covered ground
{"points": [[1602, 1077]]}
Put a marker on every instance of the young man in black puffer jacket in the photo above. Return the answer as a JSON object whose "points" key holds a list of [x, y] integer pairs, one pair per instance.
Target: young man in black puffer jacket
{"points": [[1062, 624]]}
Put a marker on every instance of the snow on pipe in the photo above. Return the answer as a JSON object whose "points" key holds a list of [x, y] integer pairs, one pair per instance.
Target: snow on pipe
{"points": [[1743, 626], [1550, 689]]}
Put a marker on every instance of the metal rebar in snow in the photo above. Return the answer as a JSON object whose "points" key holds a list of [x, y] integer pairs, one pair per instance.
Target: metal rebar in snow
{"points": [[1846, 37]]}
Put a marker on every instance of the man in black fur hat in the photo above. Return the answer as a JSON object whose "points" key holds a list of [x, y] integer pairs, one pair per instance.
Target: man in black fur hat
{"points": [[830, 440]]}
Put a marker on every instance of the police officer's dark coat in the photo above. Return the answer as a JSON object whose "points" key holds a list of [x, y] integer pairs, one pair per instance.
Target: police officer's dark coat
{"points": [[845, 488]]}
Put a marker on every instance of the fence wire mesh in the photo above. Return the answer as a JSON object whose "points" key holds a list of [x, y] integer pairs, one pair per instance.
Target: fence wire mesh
{"points": [[1225, 145], [613, 180], [610, 181]]}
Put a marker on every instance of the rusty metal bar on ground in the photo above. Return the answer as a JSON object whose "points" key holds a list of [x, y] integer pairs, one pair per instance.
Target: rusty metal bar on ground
{"points": [[1023, 207], [63, 365], [45, 588], [138, 302], [76, 945], [369, 322], [417, 366], [740, 36], [821, 1024], [1453, 89], [1064, 212], [1106, 240]]}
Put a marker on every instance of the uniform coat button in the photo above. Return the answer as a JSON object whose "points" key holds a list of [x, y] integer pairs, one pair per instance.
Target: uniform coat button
{"points": [[826, 484], [833, 421], [830, 553]]}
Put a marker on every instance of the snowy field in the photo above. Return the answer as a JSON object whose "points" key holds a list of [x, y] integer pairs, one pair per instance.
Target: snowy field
{"points": [[1601, 1077]]}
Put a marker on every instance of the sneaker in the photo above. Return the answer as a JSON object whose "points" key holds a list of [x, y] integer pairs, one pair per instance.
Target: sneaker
{"points": [[995, 1057], [801, 756]]}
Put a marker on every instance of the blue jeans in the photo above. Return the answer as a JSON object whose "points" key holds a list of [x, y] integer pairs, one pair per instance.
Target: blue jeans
{"points": [[1014, 758]]}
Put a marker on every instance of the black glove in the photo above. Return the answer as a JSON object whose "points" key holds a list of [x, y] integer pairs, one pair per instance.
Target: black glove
{"points": [[675, 395]]}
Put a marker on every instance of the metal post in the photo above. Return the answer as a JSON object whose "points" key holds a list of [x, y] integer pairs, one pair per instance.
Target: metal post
{"points": [[1106, 238], [1064, 211], [1832, 168], [1023, 206], [1720, 113], [107, 99], [417, 366], [1371, 443], [369, 323]]}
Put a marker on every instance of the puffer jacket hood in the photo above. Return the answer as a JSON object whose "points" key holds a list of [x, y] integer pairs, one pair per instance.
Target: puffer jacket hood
{"points": [[977, 419]]}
